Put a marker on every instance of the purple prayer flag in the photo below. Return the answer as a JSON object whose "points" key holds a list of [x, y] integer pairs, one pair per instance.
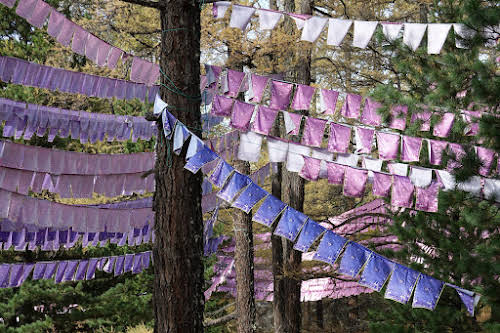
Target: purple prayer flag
{"points": [[280, 95], [443, 128], [91, 268], [61, 268], [79, 40], [120, 260], [259, 84], [310, 232], [354, 258], [427, 198], [303, 97], [468, 298], [10, 4], [109, 266], [222, 106], [436, 149], [328, 101], [486, 157], [398, 117], [351, 106], [264, 120], [236, 183], [313, 132], [330, 247], [340, 137], [370, 116], [249, 197], [311, 168], [402, 192], [411, 147], [82, 270], [129, 263], [401, 284], [382, 183], [355, 182], [427, 292], [137, 263], [234, 79], [39, 270], [145, 259], [242, 114], [69, 273], [335, 173], [290, 224], [364, 140], [388, 145], [201, 158], [456, 152], [376, 272], [221, 173], [50, 269], [425, 118], [39, 14], [269, 211], [16, 273], [25, 8], [4, 275]]}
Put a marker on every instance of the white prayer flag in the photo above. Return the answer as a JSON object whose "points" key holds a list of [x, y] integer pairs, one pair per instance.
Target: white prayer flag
{"points": [[268, 19], [447, 179], [159, 105], [224, 84], [413, 34], [464, 32], [240, 16], [391, 30], [372, 164], [348, 159], [399, 169], [289, 124], [180, 136], [473, 185], [277, 150], [420, 177], [492, 189], [195, 146], [313, 28], [220, 8], [295, 159], [299, 21], [337, 29], [249, 149], [363, 32], [436, 36]]}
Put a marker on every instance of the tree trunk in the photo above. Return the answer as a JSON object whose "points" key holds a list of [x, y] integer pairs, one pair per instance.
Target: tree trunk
{"points": [[178, 249]]}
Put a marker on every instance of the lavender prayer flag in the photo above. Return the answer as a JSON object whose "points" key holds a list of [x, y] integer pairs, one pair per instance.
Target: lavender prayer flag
{"points": [[398, 117], [277, 149], [340, 137], [236, 183], [137, 264], [354, 258], [290, 224], [220, 174], [388, 145], [382, 183], [292, 122], [311, 168], [219, 8], [50, 270], [402, 192], [242, 114], [370, 115], [25, 8], [181, 135], [268, 19], [264, 120], [363, 32], [335, 173], [425, 118], [120, 260], [303, 97], [195, 145], [81, 270], [411, 147], [249, 148], [436, 149], [328, 101], [38, 271], [427, 198], [469, 298], [420, 177], [8, 3], [61, 269], [280, 95], [235, 78], [4, 275], [39, 14], [129, 263], [351, 106], [313, 132], [486, 157], [79, 40], [337, 29], [364, 140], [310, 232], [376, 272], [240, 16], [258, 86], [16, 273], [145, 259], [169, 123], [330, 247], [202, 157], [355, 182], [401, 284], [443, 128], [91, 268], [269, 211], [70, 270], [413, 34], [249, 197], [312, 28], [391, 30], [436, 36]]}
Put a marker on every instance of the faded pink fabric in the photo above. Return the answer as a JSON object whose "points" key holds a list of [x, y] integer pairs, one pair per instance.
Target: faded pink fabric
{"points": [[427, 198], [471, 118], [381, 184], [364, 140], [486, 156], [25, 8], [340, 137], [313, 132], [80, 40], [355, 182], [457, 152], [328, 100], [335, 173], [398, 113], [280, 95], [388, 146], [443, 128], [311, 168], [351, 106], [296, 120], [8, 3], [303, 97], [39, 14], [259, 84], [425, 118], [370, 115], [402, 192], [411, 147], [436, 149], [264, 120], [222, 106], [242, 114], [234, 79]]}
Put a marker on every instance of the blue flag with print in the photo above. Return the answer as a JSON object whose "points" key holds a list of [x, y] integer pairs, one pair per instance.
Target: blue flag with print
{"points": [[269, 211], [401, 284], [427, 292], [249, 197], [330, 247], [202, 157], [236, 183], [376, 272], [354, 258], [310, 232], [169, 122], [469, 298], [221, 173], [180, 136], [290, 224]]}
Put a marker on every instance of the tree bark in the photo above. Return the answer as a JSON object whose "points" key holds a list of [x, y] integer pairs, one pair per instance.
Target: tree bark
{"points": [[178, 249]]}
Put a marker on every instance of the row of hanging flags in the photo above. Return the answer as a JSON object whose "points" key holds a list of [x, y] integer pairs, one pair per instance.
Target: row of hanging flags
{"points": [[244, 194], [312, 27]]}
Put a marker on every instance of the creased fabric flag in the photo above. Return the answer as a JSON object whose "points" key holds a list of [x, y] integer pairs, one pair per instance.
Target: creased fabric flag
{"points": [[401, 284], [348, 159], [303, 97], [310, 232], [290, 224], [436, 36], [8, 3], [91, 269], [159, 105], [337, 29], [300, 19], [398, 117], [181, 135], [312, 28], [491, 189], [249, 197], [364, 140], [269, 211], [335, 173], [443, 128], [462, 34], [456, 152], [169, 123], [370, 115], [236, 183], [388, 145], [264, 120], [50, 270], [400, 169], [268, 19], [340, 138], [4, 275], [469, 298], [119, 265], [258, 86], [413, 34], [249, 149], [410, 147], [311, 168], [79, 41], [354, 258], [221, 173], [202, 157], [81, 270], [330, 247], [436, 149], [363, 32], [295, 157], [402, 192], [39, 14], [16, 273], [280, 95], [427, 198], [351, 106], [292, 122], [219, 8], [425, 118], [277, 149], [420, 177], [195, 145], [240, 16], [473, 185], [69, 273], [242, 114], [222, 106], [234, 79], [446, 179], [37, 271], [61, 269], [376, 273], [372, 164], [25, 8], [486, 157], [314, 131], [328, 101], [355, 182], [391, 30]]}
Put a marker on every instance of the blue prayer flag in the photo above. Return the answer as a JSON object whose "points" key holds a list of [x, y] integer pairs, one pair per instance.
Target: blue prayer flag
{"points": [[199, 159], [354, 258], [221, 173], [401, 284], [427, 292], [269, 211], [236, 183], [376, 272], [309, 234], [180, 136], [330, 247], [290, 224], [249, 197]]}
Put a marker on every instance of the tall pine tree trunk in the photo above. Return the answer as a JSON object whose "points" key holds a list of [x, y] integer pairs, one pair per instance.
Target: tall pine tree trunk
{"points": [[178, 248]]}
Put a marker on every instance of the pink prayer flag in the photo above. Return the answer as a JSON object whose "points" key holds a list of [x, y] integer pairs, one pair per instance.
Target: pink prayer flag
{"points": [[335, 173], [25, 8], [259, 84], [340, 137], [471, 118], [355, 182], [436, 149], [364, 139], [443, 128], [402, 192], [40, 13], [8, 3], [388, 145], [382, 183], [222, 106], [457, 153], [303, 97], [427, 198], [351, 106], [486, 156], [242, 114], [79, 40], [114, 55], [264, 120], [234, 79], [313, 132], [370, 115], [425, 118], [66, 32], [311, 168], [328, 101], [411, 147], [398, 113], [92, 48], [295, 119], [280, 95]]}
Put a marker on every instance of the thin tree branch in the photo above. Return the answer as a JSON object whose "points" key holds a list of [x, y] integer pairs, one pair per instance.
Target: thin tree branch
{"points": [[218, 311], [145, 3], [219, 321]]}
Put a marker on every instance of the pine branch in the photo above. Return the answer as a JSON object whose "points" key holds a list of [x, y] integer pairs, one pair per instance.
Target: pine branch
{"points": [[146, 3]]}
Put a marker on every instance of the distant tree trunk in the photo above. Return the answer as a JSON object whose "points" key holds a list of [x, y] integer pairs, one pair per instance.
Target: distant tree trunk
{"points": [[178, 249], [319, 313]]}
